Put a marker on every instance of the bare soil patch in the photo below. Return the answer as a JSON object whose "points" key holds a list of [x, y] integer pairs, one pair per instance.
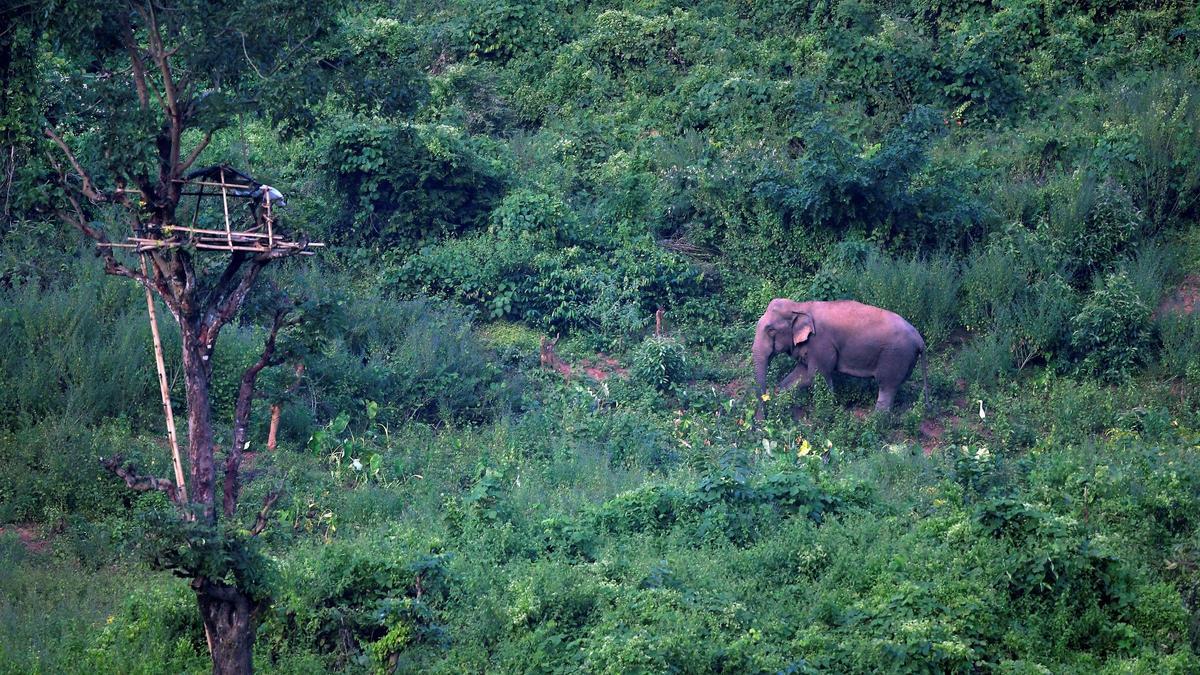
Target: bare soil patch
{"points": [[30, 538], [1183, 299]]}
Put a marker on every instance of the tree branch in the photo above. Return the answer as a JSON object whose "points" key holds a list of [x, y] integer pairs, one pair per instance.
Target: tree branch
{"points": [[260, 521], [89, 190], [137, 481], [225, 306], [162, 56], [139, 68], [241, 414], [111, 265], [187, 163]]}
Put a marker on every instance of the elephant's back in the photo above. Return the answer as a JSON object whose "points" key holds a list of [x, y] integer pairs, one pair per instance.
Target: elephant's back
{"points": [[852, 316]]}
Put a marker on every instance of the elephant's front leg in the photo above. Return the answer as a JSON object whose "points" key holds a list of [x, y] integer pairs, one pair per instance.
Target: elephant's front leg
{"points": [[801, 375]]}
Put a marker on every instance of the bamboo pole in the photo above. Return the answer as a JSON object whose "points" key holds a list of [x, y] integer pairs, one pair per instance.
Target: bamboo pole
{"points": [[166, 394], [222, 183], [269, 218], [196, 211], [201, 230], [225, 203]]}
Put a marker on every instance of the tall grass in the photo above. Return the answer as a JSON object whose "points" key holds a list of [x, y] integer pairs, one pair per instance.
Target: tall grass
{"points": [[922, 290], [81, 351]]}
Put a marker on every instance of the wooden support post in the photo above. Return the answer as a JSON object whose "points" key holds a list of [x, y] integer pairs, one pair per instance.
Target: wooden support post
{"points": [[276, 410], [163, 389]]}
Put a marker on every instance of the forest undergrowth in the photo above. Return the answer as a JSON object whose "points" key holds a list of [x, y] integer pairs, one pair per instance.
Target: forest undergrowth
{"points": [[492, 460]]}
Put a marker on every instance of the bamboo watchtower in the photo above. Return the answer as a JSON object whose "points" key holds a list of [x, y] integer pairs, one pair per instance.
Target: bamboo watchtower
{"points": [[249, 226], [256, 233]]}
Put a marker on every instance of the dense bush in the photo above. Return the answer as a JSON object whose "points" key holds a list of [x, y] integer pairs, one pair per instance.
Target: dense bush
{"points": [[925, 292], [509, 274], [1096, 224], [405, 183], [660, 362], [419, 359], [1112, 332]]}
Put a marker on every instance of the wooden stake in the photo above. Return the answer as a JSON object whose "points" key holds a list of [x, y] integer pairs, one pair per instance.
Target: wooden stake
{"points": [[275, 411], [276, 408], [166, 393], [196, 211]]}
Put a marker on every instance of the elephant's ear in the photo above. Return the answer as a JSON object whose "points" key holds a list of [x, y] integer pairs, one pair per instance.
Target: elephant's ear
{"points": [[802, 328]]}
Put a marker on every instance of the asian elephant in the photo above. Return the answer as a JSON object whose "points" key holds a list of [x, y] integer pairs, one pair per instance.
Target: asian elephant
{"points": [[842, 336]]}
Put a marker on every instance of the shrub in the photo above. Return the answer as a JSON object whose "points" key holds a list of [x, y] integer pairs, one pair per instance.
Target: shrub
{"points": [[499, 31], [1180, 354], [622, 40], [506, 274], [156, 628], [533, 213], [1153, 144], [404, 184], [83, 352], [987, 360], [991, 282], [1039, 324], [1095, 224], [1112, 332], [51, 471], [660, 362], [357, 600]]}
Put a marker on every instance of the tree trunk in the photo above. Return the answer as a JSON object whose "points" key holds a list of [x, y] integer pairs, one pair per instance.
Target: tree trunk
{"points": [[230, 623], [196, 372]]}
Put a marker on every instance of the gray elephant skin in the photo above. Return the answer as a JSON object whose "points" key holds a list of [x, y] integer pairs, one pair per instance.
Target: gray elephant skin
{"points": [[841, 336]]}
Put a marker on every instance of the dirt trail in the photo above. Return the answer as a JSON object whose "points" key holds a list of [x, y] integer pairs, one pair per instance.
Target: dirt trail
{"points": [[33, 542]]}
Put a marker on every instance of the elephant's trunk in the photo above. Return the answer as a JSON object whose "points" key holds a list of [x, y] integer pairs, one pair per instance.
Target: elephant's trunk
{"points": [[761, 354]]}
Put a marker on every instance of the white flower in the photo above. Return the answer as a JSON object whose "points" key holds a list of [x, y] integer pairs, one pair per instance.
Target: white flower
{"points": [[355, 464]]}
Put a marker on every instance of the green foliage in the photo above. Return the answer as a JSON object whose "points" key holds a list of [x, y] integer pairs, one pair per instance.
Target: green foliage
{"points": [[1180, 355], [534, 214], [419, 359], [406, 183], [51, 471], [82, 352], [500, 31], [570, 290], [1095, 225], [153, 627], [1112, 332], [356, 605], [660, 362], [1151, 143]]}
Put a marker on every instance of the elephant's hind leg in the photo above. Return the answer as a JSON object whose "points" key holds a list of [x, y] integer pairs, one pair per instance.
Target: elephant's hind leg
{"points": [[895, 366], [885, 399]]}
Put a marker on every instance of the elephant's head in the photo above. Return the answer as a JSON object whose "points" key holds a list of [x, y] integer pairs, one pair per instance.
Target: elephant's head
{"points": [[782, 328]]}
